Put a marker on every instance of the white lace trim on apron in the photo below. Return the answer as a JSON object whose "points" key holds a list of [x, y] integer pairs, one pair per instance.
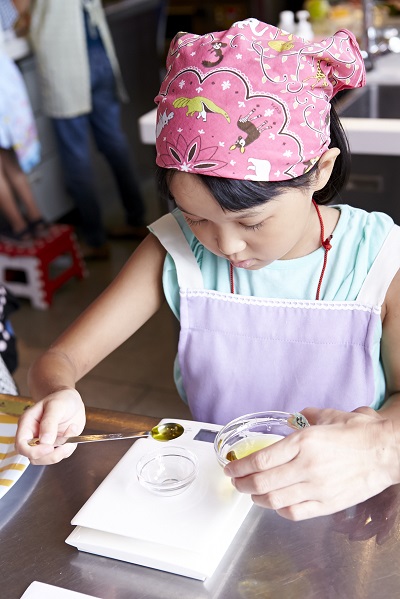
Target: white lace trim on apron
{"points": [[371, 295]]}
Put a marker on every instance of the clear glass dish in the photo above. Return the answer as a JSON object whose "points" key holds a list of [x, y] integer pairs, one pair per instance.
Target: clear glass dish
{"points": [[168, 471], [253, 432]]}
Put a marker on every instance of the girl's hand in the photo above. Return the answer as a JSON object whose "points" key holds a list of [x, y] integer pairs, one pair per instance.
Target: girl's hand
{"points": [[59, 414], [344, 460]]}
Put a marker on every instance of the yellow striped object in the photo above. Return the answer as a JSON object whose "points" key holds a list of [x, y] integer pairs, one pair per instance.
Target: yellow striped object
{"points": [[8, 419], [6, 482], [7, 440], [20, 467], [12, 465]]}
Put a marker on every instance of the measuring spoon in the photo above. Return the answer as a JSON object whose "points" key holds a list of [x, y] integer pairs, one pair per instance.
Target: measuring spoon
{"points": [[161, 432]]}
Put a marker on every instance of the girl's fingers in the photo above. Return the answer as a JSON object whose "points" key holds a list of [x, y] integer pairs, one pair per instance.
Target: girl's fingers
{"points": [[44, 455], [51, 422], [28, 426], [47, 420]]}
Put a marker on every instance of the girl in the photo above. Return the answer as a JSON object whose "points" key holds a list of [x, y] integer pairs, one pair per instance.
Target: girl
{"points": [[283, 301]]}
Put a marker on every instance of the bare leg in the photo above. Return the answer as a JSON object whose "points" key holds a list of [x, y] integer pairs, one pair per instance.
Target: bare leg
{"points": [[8, 204], [20, 184]]}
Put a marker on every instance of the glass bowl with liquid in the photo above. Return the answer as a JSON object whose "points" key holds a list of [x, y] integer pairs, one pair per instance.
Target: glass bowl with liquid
{"points": [[252, 432], [168, 471]]}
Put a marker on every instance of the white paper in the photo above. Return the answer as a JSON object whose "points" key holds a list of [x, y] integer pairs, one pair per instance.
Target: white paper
{"points": [[39, 590]]}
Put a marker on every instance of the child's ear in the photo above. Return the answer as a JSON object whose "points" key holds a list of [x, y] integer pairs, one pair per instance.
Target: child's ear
{"points": [[325, 167]]}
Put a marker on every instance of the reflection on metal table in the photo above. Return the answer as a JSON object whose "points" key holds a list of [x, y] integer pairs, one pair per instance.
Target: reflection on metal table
{"points": [[352, 554]]}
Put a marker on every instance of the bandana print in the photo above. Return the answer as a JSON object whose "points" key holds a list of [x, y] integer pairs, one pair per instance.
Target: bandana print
{"points": [[252, 102]]}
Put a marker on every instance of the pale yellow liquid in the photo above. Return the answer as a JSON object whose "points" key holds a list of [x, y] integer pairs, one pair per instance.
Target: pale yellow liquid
{"points": [[245, 447]]}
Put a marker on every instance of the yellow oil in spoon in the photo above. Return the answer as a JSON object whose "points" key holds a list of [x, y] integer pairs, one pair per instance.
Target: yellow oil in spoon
{"points": [[167, 431]]}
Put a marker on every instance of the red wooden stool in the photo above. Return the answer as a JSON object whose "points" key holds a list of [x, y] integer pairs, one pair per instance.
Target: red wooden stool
{"points": [[35, 269]]}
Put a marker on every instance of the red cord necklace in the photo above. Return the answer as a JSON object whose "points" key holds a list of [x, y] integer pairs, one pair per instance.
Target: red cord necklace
{"points": [[325, 243]]}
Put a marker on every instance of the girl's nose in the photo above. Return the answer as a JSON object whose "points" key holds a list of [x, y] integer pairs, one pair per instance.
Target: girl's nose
{"points": [[230, 245]]}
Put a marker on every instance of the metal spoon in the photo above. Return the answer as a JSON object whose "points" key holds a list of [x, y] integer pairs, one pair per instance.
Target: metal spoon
{"points": [[161, 432]]}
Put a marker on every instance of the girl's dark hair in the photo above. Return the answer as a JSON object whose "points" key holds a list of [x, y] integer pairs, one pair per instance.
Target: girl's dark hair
{"points": [[235, 195]]}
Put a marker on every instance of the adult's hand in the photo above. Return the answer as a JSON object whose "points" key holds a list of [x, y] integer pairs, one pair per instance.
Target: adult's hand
{"points": [[61, 414], [341, 460]]}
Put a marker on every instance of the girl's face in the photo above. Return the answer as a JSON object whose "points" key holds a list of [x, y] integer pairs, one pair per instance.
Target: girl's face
{"points": [[282, 228]]}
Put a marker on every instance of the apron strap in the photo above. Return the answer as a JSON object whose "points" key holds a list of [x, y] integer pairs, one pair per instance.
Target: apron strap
{"points": [[171, 236], [382, 272]]}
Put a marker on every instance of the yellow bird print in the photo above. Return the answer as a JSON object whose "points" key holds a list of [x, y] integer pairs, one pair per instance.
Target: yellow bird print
{"points": [[281, 46], [200, 105]]}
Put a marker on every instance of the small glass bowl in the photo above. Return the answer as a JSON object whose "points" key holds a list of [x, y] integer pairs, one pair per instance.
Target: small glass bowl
{"points": [[168, 471], [250, 433]]}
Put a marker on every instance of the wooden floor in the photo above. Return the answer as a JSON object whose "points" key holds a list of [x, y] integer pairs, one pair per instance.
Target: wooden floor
{"points": [[137, 377]]}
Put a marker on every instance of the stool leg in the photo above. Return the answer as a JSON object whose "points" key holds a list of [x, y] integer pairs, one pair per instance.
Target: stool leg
{"points": [[77, 258], [35, 260], [33, 287]]}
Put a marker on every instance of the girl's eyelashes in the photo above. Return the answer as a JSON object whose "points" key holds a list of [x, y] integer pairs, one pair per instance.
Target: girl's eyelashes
{"points": [[253, 227], [193, 223]]}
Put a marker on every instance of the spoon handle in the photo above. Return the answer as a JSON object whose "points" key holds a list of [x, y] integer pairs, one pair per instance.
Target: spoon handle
{"points": [[90, 438]]}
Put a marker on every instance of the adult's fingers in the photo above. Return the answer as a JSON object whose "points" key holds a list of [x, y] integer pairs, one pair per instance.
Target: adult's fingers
{"points": [[321, 416], [329, 416], [304, 511], [273, 480], [279, 453], [367, 412], [281, 498]]}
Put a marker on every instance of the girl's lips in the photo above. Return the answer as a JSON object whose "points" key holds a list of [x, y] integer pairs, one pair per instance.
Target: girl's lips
{"points": [[244, 263]]}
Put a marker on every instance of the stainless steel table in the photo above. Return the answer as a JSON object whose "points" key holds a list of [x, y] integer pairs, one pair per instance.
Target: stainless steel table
{"points": [[352, 555]]}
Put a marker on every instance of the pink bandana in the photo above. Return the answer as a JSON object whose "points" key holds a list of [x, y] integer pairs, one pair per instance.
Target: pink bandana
{"points": [[251, 102]]}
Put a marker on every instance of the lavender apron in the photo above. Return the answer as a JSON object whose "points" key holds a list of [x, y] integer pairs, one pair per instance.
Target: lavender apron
{"points": [[241, 354]]}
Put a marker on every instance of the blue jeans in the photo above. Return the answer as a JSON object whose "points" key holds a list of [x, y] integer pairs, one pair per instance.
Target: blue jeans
{"points": [[73, 135]]}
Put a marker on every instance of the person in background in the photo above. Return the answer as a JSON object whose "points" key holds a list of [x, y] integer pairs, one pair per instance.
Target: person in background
{"points": [[82, 86], [284, 300], [25, 224], [19, 148]]}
